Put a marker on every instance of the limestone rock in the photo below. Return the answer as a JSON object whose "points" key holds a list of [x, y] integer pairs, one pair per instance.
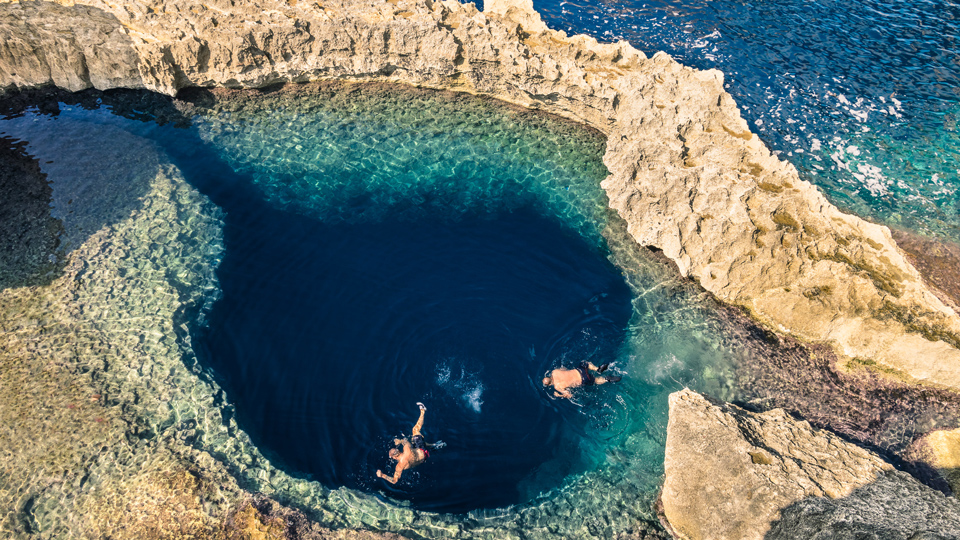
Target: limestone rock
{"points": [[685, 172], [739, 475], [886, 509], [73, 47], [941, 451]]}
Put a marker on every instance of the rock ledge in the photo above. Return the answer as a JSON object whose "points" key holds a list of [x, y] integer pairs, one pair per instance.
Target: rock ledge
{"points": [[734, 474]]}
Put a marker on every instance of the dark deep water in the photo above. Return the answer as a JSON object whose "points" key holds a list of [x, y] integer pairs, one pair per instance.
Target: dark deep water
{"points": [[327, 335]]}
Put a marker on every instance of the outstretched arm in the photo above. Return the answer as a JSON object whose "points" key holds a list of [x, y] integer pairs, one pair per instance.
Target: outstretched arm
{"points": [[396, 475], [563, 393]]}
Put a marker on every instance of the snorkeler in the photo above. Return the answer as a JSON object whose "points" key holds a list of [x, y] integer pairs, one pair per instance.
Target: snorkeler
{"points": [[562, 378], [414, 451]]}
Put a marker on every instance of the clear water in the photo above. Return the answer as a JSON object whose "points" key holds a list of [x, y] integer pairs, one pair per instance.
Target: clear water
{"points": [[446, 226], [862, 97], [476, 253], [327, 335]]}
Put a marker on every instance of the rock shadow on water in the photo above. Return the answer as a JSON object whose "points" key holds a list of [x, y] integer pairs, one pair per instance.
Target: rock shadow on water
{"points": [[856, 401], [62, 182], [937, 260]]}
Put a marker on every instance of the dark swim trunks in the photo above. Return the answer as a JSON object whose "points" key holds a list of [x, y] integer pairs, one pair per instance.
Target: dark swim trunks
{"points": [[585, 374], [417, 442]]}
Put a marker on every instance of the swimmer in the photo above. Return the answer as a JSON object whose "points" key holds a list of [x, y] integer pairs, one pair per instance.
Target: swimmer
{"points": [[563, 379], [414, 451]]}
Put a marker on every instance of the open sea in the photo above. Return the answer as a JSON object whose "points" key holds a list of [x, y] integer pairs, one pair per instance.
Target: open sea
{"points": [[389, 247], [862, 96]]}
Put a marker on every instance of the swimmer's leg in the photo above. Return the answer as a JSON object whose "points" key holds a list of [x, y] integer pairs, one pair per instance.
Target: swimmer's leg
{"points": [[609, 378], [416, 428]]}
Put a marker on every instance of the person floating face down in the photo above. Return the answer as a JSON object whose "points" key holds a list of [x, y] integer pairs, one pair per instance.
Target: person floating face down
{"points": [[563, 379], [415, 451]]}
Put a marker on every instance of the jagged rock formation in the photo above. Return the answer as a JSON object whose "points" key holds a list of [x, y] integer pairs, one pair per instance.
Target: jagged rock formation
{"points": [[739, 475], [685, 171]]}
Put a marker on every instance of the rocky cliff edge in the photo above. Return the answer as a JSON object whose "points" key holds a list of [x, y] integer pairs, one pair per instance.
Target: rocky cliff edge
{"points": [[733, 474]]}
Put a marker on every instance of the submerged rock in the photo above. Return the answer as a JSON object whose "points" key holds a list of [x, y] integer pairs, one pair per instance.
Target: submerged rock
{"points": [[28, 233], [735, 474]]}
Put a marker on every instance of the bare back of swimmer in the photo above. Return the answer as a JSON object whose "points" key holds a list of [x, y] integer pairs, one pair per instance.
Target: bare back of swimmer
{"points": [[564, 379]]}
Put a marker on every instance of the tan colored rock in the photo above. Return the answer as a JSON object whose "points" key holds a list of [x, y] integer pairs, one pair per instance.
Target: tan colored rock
{"points": [[73, 47], [685, 171], [941, 450], [732, 474]]}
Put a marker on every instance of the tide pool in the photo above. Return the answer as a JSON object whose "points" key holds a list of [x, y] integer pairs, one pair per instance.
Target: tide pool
{"points": [[383, 246]]}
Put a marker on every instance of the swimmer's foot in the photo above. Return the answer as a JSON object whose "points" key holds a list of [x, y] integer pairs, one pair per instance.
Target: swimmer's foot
{"points": [[422, 406], [603, 368], [614, 378]]}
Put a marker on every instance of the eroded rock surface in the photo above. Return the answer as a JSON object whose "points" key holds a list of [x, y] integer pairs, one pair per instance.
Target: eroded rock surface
{"points": [[685, 172], [740, 475]]}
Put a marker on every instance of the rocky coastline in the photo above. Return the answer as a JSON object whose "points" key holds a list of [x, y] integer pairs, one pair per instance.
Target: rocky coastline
{"points": [[686, 175]]}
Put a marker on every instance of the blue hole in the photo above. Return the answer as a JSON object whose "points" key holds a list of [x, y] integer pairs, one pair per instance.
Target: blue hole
{"points": [[327, 336]]}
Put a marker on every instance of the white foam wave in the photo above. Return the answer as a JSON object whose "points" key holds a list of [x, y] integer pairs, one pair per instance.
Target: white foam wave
{"points": [[664, 369], [465, 385], [472, 398], [443, 374]]}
